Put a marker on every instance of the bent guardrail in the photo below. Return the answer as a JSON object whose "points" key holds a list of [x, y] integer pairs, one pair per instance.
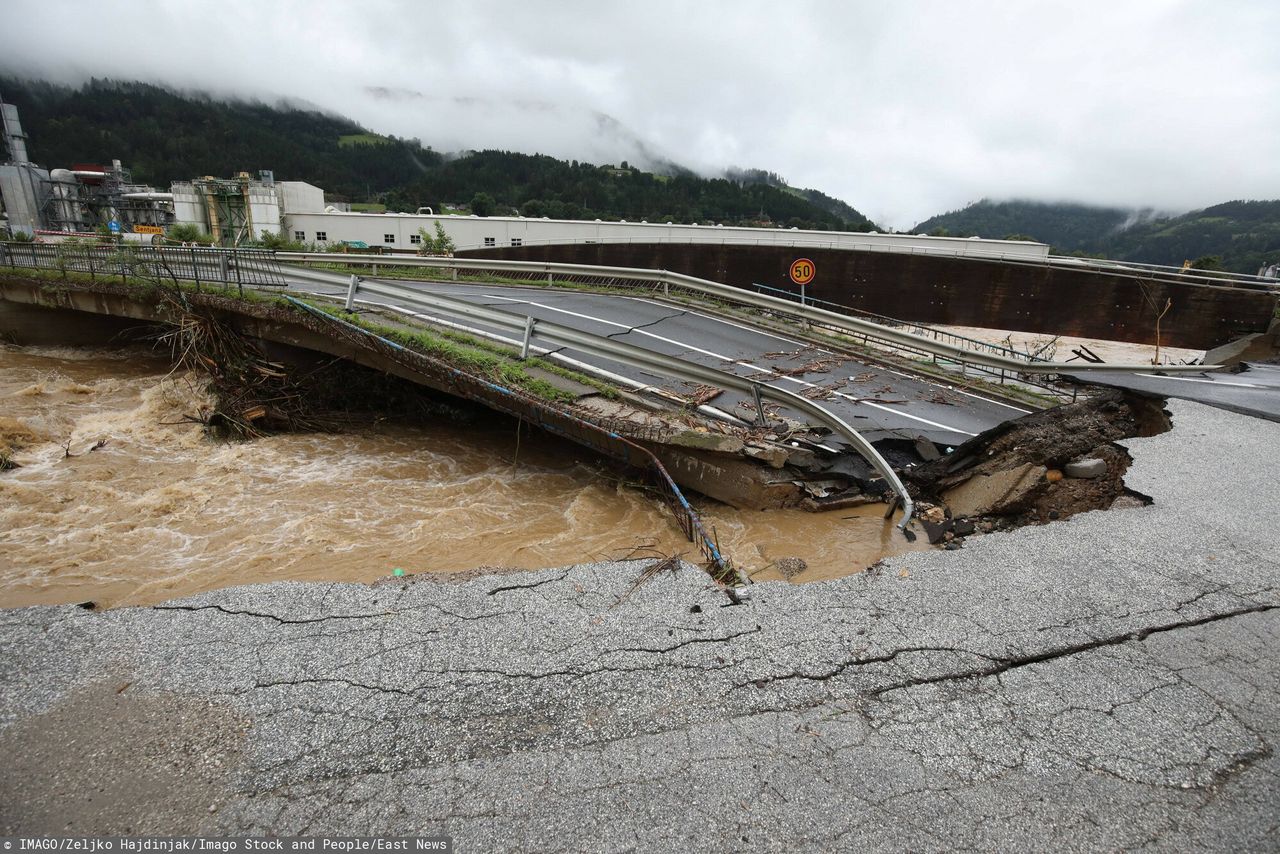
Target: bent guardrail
{"points": [[638, 357]]}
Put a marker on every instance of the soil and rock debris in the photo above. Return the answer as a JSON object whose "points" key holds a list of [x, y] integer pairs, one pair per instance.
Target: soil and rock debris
{"points": [[1043, 467]]}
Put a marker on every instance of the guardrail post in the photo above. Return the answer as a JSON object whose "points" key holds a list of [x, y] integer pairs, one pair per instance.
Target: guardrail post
{"points": [[351, 291], [528, 333], [453, 273], [195, 269], [224, 269], [761, 421], [239, 283]]}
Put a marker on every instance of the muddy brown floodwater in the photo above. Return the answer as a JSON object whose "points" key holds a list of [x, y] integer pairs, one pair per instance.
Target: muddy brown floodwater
{"points": [[160, 510]]}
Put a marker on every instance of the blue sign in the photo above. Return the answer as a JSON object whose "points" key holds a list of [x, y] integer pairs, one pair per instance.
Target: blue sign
{"points": [[114, 226]]}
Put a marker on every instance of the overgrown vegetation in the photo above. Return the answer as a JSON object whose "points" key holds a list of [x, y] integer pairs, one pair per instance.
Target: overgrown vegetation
{"points": [[474, 355]]}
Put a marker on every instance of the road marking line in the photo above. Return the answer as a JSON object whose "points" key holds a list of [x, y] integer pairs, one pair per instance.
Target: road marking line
{"points": [[723, 358], [837, 355], [968, 394], [1194, 380]]}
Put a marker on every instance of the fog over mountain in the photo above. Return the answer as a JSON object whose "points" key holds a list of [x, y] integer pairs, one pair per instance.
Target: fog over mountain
{"points": [[904, 111]]}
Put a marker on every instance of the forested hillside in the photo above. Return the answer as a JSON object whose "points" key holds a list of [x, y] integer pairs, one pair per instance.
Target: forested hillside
{"points": [[1240, 236], [1066, 227], [163, 136]]}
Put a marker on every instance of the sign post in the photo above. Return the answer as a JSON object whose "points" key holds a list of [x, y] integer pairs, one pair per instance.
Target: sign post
{"points": [[802, 272]]}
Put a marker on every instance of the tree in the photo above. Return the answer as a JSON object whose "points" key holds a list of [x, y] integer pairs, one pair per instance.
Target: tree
{"points": [[185, 232], [441, 244], [482, 204], [276, 240]]}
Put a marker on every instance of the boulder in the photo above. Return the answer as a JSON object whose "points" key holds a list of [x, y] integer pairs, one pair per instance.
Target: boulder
{"points": [[1092, 467]]}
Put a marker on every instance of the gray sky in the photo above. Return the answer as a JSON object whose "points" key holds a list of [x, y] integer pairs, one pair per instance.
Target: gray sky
{"points": [[903, 110]]}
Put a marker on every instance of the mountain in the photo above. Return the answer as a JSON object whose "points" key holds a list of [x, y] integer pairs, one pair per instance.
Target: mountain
{"points": [[162, 135], [1240, 236], [847, 213], [1066, 227]]}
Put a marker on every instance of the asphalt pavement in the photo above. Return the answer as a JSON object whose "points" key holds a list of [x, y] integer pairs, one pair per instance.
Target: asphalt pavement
{"points": [[879, 402], [1105, 683], [1252, 391]]}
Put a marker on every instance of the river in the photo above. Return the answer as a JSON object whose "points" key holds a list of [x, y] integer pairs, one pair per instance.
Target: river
{"points": [[160, 510]]}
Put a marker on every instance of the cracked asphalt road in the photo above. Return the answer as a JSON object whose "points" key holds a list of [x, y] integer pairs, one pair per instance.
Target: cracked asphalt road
{"points": [[1108, 682]]}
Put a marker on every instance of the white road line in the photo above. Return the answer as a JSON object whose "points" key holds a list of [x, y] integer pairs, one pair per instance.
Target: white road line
{"points": [[831, 353], [723, 358], [967, 393], [741, 326], [1194, 380], [781, 338]]}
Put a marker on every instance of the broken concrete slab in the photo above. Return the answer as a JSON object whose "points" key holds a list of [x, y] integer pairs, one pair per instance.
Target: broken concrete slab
{"points": [[1257, 347], [995, 494], [776, 456], [927, 450], [705, 440]]}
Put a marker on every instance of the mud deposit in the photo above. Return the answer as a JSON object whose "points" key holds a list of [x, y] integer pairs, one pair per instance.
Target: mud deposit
{"points": [[160, 510]]}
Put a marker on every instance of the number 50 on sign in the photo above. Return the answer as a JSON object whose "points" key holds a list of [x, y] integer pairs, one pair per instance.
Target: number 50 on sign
{"points": [[803, 271]]}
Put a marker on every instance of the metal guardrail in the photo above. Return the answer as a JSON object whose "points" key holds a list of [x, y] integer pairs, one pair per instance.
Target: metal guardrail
{"points": [[722, 568], [956, 248], [911, 325], [728, 293], [638, 357], [227, 268]]}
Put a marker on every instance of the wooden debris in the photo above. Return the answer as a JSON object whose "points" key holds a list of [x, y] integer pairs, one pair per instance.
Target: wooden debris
{"points": [[815, 367], [703, 394]]}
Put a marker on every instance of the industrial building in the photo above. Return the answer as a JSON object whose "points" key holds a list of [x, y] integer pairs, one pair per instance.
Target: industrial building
{"points": [[240, 209], [400, 231], [35, 201]]}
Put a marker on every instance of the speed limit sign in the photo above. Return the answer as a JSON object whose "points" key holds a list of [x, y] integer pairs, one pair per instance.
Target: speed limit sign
{"points": [[803, 271]]}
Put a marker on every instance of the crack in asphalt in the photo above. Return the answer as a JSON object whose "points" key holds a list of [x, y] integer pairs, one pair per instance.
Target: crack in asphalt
{"points": [[281, 620], [1000, 665], [495, 591], [1138, 635], [648, 324]]}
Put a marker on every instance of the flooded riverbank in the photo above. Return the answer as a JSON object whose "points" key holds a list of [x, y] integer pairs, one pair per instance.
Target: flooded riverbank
{"points": [[160, 510]]}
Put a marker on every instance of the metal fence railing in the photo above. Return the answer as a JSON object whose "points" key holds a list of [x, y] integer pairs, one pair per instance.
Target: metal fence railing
{"points": [[225, 268]]}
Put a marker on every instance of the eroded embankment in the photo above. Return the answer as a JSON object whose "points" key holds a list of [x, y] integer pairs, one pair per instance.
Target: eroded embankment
{"points": [[1043, 467]]}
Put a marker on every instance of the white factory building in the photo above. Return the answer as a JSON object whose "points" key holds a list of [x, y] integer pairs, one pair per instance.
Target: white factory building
{"points": [[400, 231]]}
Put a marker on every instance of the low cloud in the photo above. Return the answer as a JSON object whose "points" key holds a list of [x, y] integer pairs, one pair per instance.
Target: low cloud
{"points": [[902, 111]]}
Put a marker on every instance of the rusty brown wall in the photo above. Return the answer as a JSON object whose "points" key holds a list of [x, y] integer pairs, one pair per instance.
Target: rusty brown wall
{"points": [[958, 291]]}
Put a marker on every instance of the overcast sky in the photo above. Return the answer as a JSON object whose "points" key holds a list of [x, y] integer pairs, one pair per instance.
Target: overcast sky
{"points": [[903, 110]]}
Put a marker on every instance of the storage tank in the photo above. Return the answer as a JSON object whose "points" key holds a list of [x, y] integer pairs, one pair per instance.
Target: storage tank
{"points": [[65, 213]]}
